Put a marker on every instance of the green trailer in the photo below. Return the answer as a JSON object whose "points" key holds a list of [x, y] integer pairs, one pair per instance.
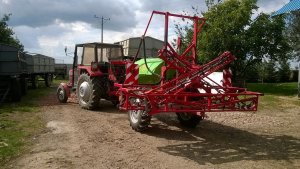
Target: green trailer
{"points": [[40, 68], [12, 68], [18, 69]]}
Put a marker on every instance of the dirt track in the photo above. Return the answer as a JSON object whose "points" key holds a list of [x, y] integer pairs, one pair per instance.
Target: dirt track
{"points": [[77, 138]]}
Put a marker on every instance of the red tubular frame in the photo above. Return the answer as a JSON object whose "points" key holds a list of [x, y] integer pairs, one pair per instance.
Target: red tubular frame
{"points": [[188, 91]]}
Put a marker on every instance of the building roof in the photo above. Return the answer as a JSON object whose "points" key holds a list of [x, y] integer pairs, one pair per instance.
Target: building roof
{"points": [[293, 5], [94, 44], [140, 38]]}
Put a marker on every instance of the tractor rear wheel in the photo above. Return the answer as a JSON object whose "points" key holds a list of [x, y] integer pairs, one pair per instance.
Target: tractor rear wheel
{"points": [[189, 120], [139, 120], [61, 94], [88, 91]]}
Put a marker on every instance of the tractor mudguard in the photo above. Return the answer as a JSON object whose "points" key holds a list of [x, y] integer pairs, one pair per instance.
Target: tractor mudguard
{"points": [[67, 88]]}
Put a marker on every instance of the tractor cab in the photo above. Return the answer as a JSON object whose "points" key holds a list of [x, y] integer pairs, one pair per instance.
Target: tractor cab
{"points": [[97, 55], [97, 52], [96, 67], [97, 59]]}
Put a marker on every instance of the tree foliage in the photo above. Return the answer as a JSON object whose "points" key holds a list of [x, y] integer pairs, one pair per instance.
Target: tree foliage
{"points": [[230, 27], [7, 34], [293, 33], [284, 71], [210, 3]]}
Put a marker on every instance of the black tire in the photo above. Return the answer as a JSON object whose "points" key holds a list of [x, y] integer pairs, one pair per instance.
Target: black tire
{"points": [[48, 80], [88, 91], [103, 85], [115, 102], [189, 120], [34, 81], [16, 92], [139, 120], [61, 94], [24, 86]]}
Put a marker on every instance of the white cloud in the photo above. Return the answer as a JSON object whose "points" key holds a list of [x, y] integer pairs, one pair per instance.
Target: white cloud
{"points": [[270, 6], [48, 26]]}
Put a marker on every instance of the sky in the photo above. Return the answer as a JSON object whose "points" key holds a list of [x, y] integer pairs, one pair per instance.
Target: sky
{"points": [[48, 26]]}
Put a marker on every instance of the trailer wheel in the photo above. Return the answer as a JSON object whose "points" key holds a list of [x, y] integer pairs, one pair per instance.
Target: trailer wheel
{"points": [[189, 120], [48, 80], [61, 94], [24, 86], [139, 120], [34, 81], [16, 93], [88, 91]]}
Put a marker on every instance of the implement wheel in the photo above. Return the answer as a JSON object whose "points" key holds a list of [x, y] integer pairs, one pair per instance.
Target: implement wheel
{"points": [[189, 120], [88, 91], [139, 120]]}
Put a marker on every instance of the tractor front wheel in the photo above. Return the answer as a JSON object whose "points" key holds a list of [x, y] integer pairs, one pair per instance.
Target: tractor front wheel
{"points": [[61, 94], [189, 120], [88, 91], [139, 120]]}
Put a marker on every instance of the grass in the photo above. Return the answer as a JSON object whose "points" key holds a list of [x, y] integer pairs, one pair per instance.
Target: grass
{"points": [[19, 122], [279, 89], [274, 93]]}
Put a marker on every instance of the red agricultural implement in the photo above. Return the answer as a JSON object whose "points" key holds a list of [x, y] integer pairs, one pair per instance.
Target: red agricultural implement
{"points": [[189, 93]]}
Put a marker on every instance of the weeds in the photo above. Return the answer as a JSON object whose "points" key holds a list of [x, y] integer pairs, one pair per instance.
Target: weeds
{"points": [[18, 122]]}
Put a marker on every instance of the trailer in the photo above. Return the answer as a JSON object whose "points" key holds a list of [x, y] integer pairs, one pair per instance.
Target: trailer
{"points": [[40, 68], [18, 69], [61, 70], [12, 68]]}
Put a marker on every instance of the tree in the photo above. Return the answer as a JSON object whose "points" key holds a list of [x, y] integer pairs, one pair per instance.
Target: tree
{"points": [[266, 71], [284, 71], [7, 34], [210, 3], [293, 33], [271, 71], [230, 28]]}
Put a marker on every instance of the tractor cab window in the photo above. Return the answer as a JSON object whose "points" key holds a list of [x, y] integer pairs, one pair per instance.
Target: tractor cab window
{"points": [[88, 55], [112, 53], [79, 51], [102, 52], [115, 53]]}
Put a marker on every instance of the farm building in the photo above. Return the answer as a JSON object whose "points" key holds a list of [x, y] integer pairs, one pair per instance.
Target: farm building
{"points": [[131, 45]]}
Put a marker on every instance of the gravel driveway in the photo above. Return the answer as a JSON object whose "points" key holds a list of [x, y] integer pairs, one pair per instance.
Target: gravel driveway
{"points": [[77, 138]]}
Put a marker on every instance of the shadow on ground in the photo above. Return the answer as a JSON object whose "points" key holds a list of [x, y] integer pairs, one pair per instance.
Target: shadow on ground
{"points": [[215, 143]]}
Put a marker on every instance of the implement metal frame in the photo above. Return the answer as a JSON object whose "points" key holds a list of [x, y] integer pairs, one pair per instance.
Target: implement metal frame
{"points": [[189, 91]]}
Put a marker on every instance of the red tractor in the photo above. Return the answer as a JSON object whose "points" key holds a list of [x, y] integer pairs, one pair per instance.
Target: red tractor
{"points": [[96, 67], [190, 91]]}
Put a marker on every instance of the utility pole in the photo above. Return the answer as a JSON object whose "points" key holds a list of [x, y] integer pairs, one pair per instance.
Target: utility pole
{"points": [[102, 21]]}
